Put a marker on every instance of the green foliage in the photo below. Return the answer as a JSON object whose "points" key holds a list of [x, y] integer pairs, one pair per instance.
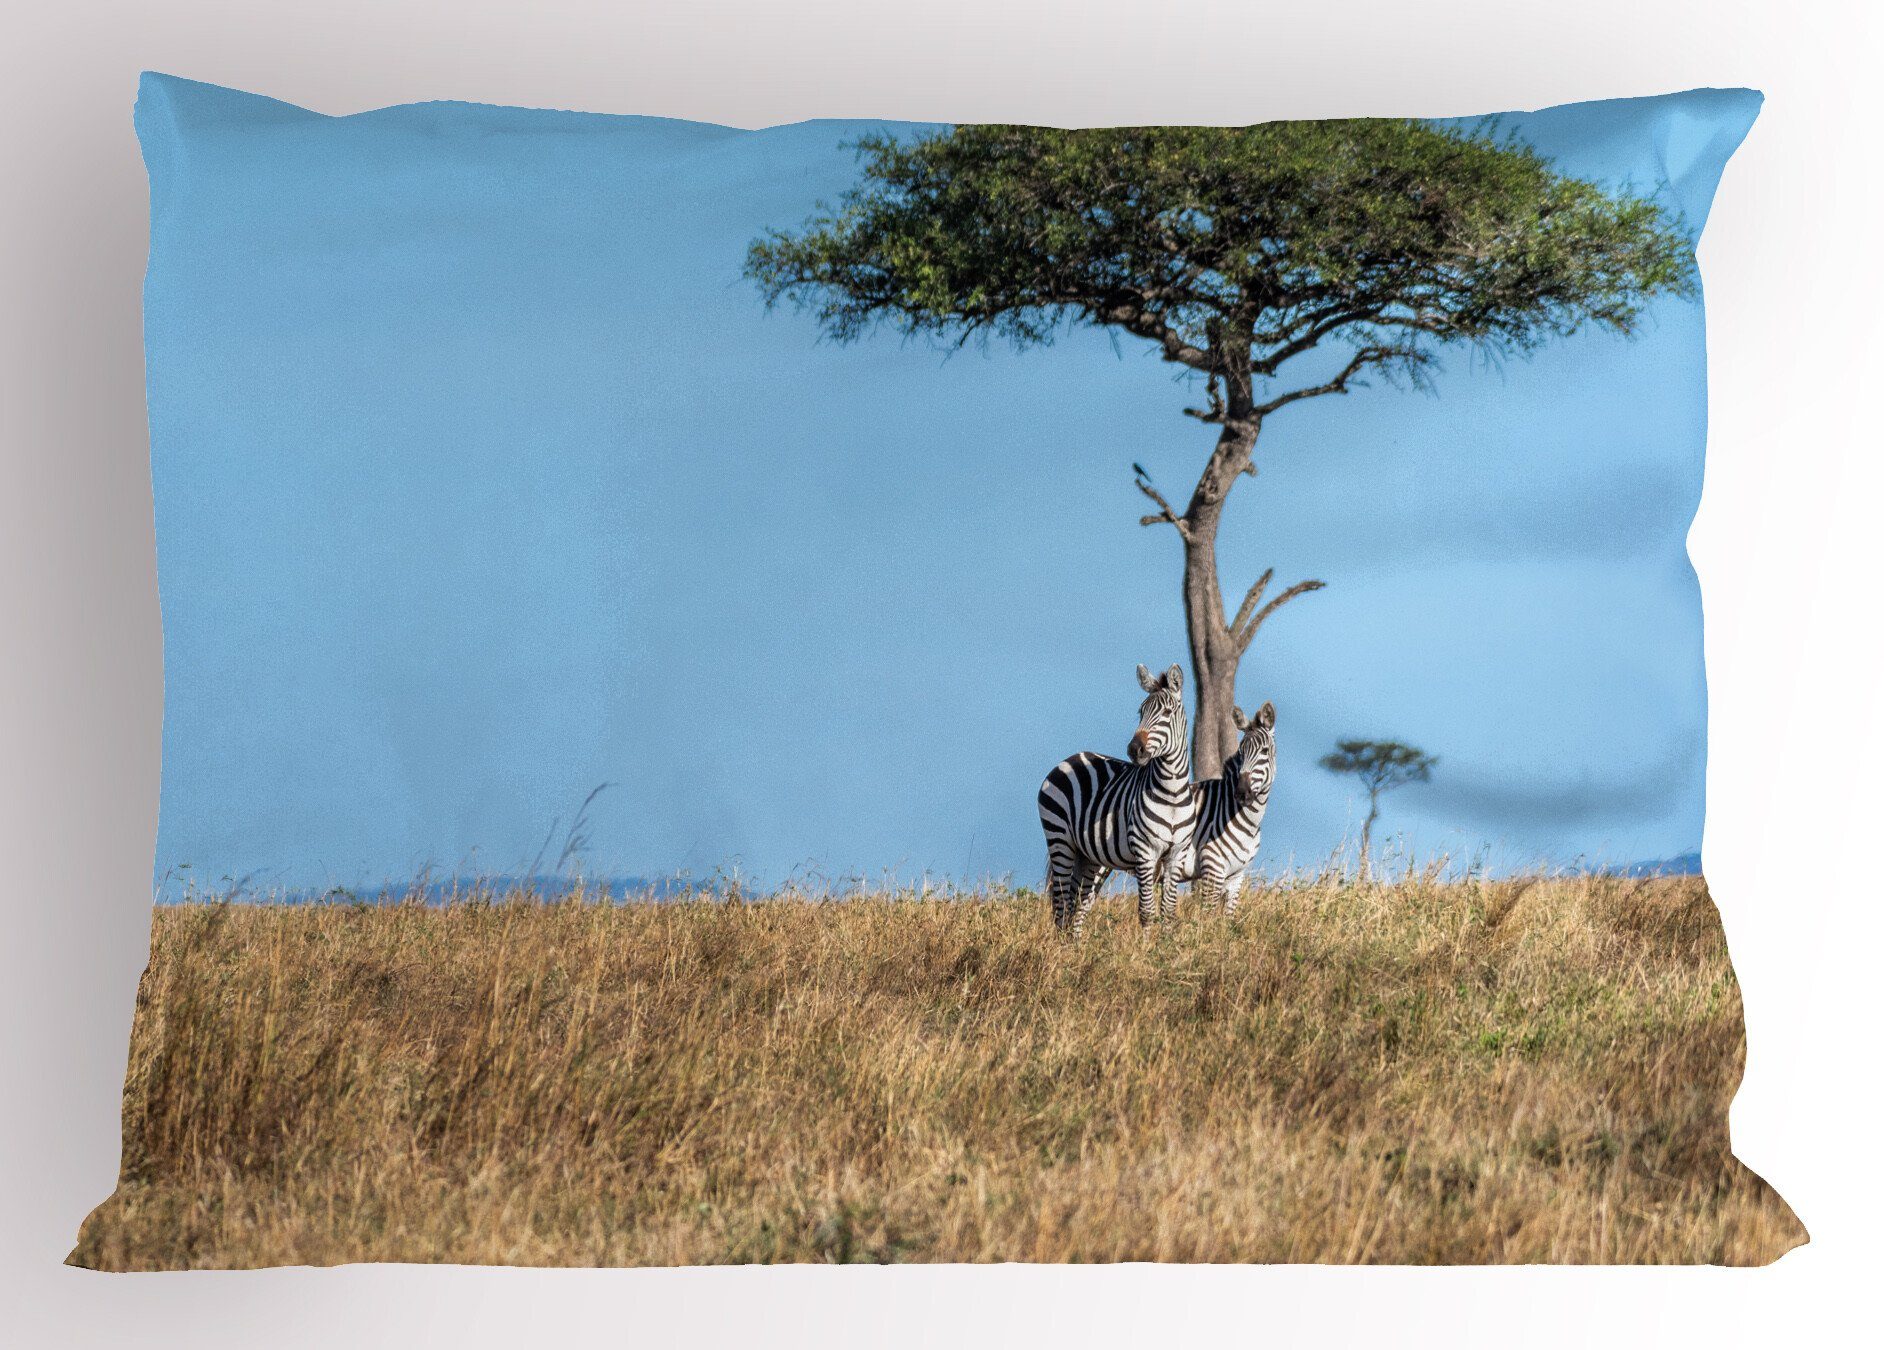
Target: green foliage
{"points": [[1226, 244], [1381, 764]]}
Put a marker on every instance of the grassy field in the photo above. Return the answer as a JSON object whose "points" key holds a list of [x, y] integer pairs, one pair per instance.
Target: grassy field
{"points": [[1412, 1072]]}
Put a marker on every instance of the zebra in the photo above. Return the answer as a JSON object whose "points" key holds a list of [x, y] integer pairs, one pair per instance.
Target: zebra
{"points": [[1229, 820], [1102, 814]]}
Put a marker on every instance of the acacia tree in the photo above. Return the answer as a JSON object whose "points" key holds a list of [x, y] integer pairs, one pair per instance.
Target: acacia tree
{"points": [[1277, 263], [1381, 766]]}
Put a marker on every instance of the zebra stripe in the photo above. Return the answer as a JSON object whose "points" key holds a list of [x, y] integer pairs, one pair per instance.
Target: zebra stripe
{"points": [[1102, 814], [1230, 812]]}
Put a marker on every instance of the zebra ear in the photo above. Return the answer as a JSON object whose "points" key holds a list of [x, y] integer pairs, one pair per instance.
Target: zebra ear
{"points": [[1145, 681], [1266, 716], [1174, 679], [1236, 716]]}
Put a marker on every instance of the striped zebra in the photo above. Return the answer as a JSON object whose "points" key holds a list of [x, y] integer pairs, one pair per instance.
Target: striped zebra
{"points": [[1103, 815], [1230, 812]]}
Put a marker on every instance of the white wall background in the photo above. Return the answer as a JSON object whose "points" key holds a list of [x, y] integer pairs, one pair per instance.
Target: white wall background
{"points": [[1785, 546]]}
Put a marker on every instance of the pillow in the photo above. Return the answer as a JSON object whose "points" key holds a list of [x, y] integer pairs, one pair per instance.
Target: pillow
{"points": [[869, 692]]}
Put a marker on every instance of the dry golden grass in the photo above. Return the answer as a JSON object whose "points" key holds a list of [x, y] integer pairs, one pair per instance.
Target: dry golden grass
{"points": [[1417, 1072]]}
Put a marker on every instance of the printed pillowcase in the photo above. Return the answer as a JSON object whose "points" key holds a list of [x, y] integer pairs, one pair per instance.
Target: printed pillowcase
{"points": [[868, 692]]}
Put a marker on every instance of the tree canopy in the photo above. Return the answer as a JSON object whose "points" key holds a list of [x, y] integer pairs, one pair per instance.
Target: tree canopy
{"points": [[1234, 250]]}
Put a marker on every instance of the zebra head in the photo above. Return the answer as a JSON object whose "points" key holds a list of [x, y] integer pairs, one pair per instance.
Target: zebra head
{"points": [[1160, 716], [1253, 766]]}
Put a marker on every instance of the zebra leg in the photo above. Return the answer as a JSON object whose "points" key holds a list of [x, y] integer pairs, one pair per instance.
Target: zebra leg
{"points": [[1147, 892], [1061, 876], [1085, 891], [1168, 895], [1232, 894], [1205, 891]]}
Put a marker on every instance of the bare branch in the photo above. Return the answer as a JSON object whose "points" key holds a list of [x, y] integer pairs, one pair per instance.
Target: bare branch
{"points": [[1250, 601], [1310, 337], [1244, 635], [1141, 321], [1215, 412], [1165, 515], [1364, 357]]}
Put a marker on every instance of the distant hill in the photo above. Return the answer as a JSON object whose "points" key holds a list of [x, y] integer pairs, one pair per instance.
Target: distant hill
{"points": [[1682, 865], [437, 892]]}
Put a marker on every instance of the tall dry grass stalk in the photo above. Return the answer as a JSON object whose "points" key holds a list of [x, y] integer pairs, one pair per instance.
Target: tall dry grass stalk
{"points": [[1417, 1072]]}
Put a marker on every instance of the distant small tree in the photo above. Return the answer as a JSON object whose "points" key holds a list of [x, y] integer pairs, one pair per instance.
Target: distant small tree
{"points": [[1381, 766]]}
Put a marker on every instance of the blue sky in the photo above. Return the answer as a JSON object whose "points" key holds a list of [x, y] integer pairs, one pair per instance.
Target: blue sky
{"points": [[483, 478]]}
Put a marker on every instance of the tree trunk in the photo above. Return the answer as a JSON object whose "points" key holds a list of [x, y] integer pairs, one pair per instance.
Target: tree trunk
{"points": [[1215, 649], [1367, 833], [1214, 657], [1219, 638]]}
